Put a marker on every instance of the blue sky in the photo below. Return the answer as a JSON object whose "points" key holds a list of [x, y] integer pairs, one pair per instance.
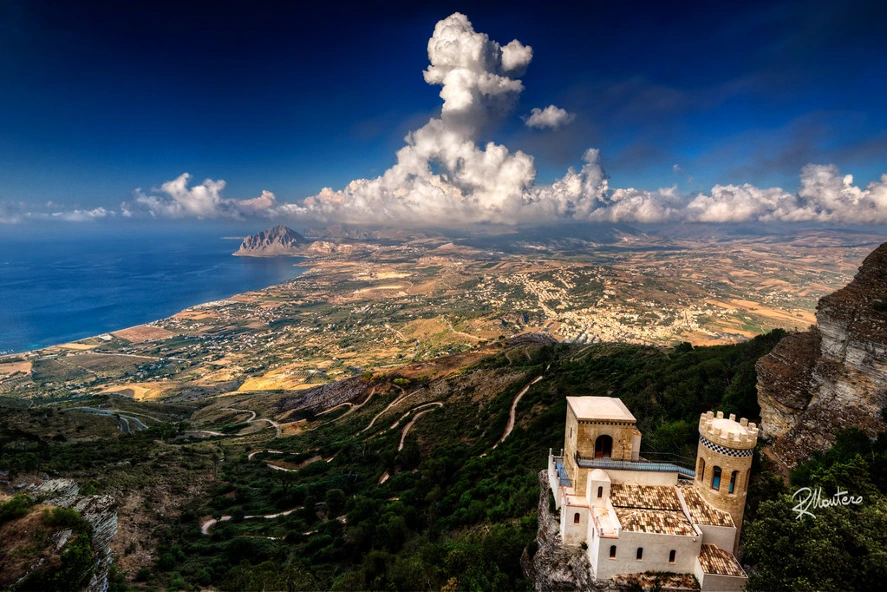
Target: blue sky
{"points": [[99, 99]]}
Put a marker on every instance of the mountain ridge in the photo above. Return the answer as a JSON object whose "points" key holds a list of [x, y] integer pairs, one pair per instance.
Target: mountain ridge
{"points": [[276, 241]]}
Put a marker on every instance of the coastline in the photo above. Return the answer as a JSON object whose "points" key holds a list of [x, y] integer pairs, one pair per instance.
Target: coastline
{"points": [[101, 336]]}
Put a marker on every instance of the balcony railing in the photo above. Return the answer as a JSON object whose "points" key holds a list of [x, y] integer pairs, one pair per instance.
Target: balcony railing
{"points": [[563, 479], [643, 465]]}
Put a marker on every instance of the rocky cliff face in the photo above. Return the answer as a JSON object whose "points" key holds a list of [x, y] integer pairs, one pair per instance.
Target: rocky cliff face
{"points": [[99, 511], [553, 566], [33, 550], [279, 240], [833, 377]]}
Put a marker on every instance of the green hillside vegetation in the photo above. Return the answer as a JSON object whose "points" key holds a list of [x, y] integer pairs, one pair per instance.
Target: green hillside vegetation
{"points": [[454, 513], [28, 533], [839, 548]]}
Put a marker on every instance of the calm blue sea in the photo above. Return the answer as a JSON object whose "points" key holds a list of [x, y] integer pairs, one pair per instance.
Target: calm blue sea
{"points": [[65, 282]]}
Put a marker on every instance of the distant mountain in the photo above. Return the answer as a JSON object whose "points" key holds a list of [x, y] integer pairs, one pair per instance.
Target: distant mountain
{"points": [[280, 240]]}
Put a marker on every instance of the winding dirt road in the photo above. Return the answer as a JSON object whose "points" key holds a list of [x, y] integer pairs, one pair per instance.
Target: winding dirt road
{"points": [[209, 523], [389, 406], [510, 426], [409, 425]]}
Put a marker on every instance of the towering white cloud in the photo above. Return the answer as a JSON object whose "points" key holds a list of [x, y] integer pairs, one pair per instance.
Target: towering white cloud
{"points": [[550, 117], [442, 176]]}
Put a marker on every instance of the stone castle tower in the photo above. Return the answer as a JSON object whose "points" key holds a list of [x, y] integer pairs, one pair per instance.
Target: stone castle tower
{"points": [[723, 462]]}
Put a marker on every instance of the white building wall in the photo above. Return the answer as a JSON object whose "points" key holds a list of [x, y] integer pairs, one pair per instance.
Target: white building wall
{"points": [[592, 488], [574, 534], [643, 478], [656, 551], [722, 537], [594, 543], [554, 482]]}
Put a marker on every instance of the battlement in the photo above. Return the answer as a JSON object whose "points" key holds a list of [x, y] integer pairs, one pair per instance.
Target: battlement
{"points": [[727, 432]]}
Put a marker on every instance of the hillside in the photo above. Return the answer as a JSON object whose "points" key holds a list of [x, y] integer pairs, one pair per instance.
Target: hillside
{"points": [[392, 480]]}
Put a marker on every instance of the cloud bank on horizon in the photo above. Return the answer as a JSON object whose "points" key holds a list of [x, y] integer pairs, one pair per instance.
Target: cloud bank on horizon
{"points": [[445, 175]]}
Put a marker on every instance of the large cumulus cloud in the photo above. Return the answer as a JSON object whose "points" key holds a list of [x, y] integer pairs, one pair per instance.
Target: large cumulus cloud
{"points": [[178, 199], [442, 175]]}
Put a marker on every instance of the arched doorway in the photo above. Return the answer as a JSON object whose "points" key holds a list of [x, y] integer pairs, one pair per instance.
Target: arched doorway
{"points": [[603, 446]]}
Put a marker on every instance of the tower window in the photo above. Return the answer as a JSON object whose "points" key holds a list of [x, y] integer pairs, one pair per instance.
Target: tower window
{"points": [[671, 556], [612, 551], [603, 446], [733, 477], [701, 476], [600, 491], [640, 555], [716, 479], [576, 518]]}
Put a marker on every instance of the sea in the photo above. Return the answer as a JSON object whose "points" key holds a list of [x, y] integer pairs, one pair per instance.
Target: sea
{"points": [[66, 281]]}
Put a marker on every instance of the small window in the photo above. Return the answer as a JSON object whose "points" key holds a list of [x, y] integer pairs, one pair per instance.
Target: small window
{"points": [[612, 551], [640, 554], [576, 518], [701, 476], [600, 491], [672, 555], [716, 479], [733, 477]]}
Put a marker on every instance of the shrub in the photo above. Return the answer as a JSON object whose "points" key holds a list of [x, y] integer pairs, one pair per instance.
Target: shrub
{"points": [[15, 507]]}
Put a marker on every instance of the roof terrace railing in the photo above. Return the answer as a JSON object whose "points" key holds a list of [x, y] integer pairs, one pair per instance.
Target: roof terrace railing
{"points": [[650, 466], [563, 479]]}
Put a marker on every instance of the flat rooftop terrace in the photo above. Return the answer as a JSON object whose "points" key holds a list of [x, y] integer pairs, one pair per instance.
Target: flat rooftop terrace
{"points": [[601, 409]]}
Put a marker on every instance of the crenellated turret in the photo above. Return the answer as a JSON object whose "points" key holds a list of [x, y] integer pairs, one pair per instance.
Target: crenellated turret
{"points": [[727, 432], [723, 462]]}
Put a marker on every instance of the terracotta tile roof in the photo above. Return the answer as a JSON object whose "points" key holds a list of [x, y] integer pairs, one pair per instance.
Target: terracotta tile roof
{"points": [[662, 498], [716, 561], [654, 521], [701, 512]]}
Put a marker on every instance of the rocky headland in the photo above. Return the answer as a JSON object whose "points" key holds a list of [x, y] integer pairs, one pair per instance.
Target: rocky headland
{"points": [[834, 376], [276, 241]]}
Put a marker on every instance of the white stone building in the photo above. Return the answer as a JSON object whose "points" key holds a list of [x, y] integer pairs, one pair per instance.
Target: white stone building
{"points": [[636, 515]]}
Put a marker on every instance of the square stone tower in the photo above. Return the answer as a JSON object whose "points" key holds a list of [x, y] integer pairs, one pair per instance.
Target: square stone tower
{"points": [[598, 428]]}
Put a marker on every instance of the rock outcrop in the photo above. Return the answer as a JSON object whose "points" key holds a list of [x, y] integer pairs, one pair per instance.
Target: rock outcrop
{"points": [[553, 566], [323, 397], [34, 545], [99, 511], [276, 241], [834, 376]]}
